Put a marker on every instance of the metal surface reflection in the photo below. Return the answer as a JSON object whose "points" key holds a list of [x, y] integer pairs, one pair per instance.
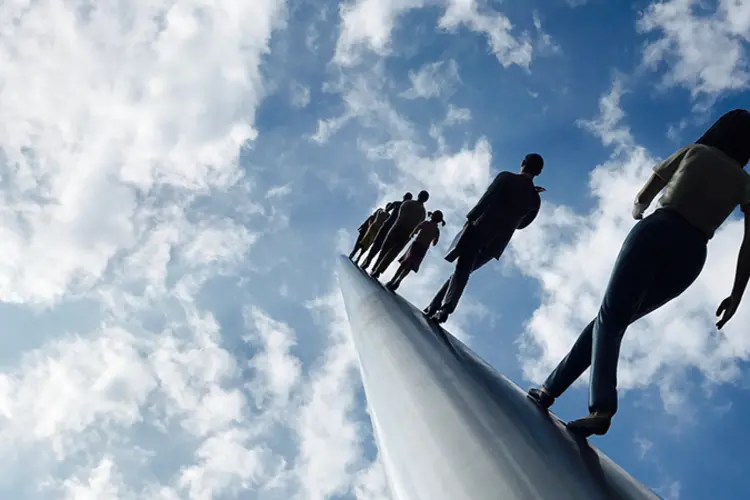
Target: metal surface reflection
{"points": [[450, 427]]}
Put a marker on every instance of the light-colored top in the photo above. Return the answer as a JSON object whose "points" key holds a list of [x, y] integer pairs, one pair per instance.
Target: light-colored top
{"points": [[410, 215], [704, 185]]}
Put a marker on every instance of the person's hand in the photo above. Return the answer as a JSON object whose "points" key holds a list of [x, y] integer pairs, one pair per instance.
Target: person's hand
{"points": [[539, 189], [638, 209], [726, 310]]}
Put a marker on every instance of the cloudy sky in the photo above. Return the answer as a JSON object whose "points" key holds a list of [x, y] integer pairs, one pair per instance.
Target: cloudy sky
{"points": [[178, 177]]}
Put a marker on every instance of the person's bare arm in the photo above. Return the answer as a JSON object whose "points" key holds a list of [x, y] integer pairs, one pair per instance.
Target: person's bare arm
{"points": [[729, 306]]}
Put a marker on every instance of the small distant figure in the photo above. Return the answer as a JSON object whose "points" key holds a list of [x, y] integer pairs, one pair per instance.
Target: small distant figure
{"points": [[368, 230], [410, 215], [511, 202], [361, 230], [392, 208], [661, 257], [425, 234]]}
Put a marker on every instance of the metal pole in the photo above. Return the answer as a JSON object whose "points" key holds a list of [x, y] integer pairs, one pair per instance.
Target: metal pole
{"points": [[449, 427]]}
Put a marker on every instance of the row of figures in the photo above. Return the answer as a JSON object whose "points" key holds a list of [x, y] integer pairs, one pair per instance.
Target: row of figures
{"points": [[664, 253], [387, 232]]}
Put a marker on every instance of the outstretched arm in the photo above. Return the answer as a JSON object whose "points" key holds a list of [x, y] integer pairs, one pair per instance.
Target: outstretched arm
{"points": [[729, 306], [436, 238]]}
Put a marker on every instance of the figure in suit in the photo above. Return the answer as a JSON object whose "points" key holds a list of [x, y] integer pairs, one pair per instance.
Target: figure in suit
{"points": [[511, 202], [392, 208]]}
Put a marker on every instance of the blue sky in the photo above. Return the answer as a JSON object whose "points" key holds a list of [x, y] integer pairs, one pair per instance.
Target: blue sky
{"points": [[178, 178]]}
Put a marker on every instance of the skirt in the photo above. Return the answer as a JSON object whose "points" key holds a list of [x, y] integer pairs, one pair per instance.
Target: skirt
{"points": [[414, 256]]}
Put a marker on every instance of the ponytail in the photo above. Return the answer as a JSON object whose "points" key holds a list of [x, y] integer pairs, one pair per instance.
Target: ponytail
{"points": [[443, 223]]}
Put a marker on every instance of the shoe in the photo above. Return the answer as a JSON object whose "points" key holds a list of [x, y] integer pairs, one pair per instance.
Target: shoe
{"points": [[440, 316], [390, 286], [541, 398], [595, 423]]}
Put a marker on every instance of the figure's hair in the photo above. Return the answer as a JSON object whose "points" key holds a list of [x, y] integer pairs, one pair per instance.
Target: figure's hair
{"points": [[408, 196], [423, 196], [437, 214]]}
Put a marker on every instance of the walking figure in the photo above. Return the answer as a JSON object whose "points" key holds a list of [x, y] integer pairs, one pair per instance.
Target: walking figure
{"points": [[392, 208], [511, 202], [661, 257], [410, 215], [425, 234]]}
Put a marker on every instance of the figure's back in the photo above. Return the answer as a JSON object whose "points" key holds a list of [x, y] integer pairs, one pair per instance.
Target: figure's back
{"points": [[514, 198], [410, 214]]}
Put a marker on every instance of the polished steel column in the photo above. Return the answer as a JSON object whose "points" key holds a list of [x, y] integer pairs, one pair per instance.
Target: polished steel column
{"points": [[449, 427]]}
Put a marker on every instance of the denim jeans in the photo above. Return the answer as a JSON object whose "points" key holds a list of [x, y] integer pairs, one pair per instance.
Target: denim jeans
{"points": [[661, 257]]}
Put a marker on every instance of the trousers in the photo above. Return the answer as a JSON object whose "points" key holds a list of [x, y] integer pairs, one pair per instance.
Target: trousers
{"points": [[660, 258], [470, 258]]}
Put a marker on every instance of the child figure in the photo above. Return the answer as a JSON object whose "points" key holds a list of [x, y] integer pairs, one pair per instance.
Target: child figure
{"points": [[376, 221], [426, 232]]}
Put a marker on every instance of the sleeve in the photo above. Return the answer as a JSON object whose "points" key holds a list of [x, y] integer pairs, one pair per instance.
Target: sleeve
{"points": [[487, 198], [666, 169], [531, 214]]}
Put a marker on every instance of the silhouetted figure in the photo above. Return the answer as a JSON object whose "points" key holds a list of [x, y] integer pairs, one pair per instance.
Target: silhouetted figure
{"points": [[410, 215], [392, 208], [660, 258], [376, 221], [425, 234], [511, 202], [361, 230]]}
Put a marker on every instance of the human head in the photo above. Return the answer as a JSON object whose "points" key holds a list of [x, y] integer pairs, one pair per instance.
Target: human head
{"points": [[532, 164], [423, 196], [408, 196], [437, 216]]}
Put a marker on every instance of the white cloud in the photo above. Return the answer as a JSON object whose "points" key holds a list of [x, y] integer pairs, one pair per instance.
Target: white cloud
{"points": [[571, 255], [545, 45], [508, 49], [368, 24], [432, 80], [300, 95], [691, 40], [142, 111]]}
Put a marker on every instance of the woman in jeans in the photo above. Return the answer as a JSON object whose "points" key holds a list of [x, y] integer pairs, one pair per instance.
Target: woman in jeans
{"points": [[661, 257]]}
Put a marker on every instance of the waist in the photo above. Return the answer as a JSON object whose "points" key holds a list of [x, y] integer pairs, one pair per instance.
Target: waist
{"points": [[674, 216]]}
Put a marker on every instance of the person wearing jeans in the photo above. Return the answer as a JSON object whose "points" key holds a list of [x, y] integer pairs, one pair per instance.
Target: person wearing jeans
{"points": [[660, 258]]}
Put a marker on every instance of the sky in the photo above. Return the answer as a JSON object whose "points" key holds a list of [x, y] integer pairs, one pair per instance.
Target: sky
{"points": [[179, 176]]}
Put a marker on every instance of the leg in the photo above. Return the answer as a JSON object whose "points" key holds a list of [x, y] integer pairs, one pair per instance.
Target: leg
{"points": [[572, 365], [393, 245], [437, 300], [660, 259], [401, 273], [470, 259], [354, 251]]}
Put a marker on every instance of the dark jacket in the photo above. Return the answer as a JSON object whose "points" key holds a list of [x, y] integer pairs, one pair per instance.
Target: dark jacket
{"points": [[511, 202]]}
